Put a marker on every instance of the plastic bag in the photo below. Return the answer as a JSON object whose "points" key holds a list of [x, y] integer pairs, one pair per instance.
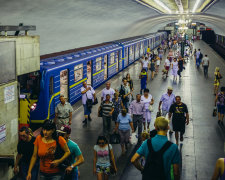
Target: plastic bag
{"points": [[151, 109], [133, 139]]}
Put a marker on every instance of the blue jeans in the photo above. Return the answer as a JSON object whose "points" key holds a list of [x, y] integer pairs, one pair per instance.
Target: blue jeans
{"points": [[34, 173], [87, 111], [44, 176]]}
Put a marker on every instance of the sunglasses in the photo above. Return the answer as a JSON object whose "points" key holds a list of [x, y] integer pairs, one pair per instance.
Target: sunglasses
{"points": [[101, 143]]}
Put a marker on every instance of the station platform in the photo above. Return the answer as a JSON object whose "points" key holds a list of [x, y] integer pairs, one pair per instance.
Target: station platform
{"points": [[204, 140]]}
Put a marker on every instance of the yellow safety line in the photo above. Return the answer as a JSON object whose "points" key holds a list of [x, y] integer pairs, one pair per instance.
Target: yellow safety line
{"points": [[78, 82], [112, 65], [37, 121], [50, 102], [98, 72]]}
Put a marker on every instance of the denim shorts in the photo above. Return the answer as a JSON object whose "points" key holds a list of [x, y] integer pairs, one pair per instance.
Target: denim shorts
{"points": [[87, 111], [221, 109]]}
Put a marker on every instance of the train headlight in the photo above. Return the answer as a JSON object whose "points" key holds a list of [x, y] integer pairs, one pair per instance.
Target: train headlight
{"points": [[33, 107]]}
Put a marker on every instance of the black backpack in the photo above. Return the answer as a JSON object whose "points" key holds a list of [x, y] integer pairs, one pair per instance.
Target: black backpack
{"points": [[154, 166], [200, 56]]}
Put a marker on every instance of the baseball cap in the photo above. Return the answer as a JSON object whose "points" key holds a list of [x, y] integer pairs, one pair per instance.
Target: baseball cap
{"points": [[170, 88], [65, 129]]}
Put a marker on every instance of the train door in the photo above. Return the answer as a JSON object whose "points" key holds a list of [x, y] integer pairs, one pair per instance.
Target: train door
{"points": [[64, 84], [89, 73], [117, 61], [105, 66]]}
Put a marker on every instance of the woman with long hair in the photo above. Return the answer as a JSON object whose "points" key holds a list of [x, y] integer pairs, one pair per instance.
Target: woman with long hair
{"points": [[130, 81], [103, 157], [46, 147]]}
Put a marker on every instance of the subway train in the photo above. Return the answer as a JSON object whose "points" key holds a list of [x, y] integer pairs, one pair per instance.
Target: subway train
{"points": [[64, 74]]}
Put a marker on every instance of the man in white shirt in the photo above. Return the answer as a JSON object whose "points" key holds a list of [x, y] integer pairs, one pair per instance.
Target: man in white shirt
{"points": [[88, 93], [205, 65], [167, 65], [145, 64], [107, 90]]}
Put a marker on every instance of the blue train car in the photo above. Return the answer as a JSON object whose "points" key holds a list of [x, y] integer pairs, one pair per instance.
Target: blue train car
{"points": [[65, 74]]}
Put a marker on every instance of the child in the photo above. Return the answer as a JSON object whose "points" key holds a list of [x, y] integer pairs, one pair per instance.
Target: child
{"points": [[144, 77]]}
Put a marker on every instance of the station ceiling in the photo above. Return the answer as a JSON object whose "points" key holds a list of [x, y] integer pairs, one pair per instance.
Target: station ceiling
{"points": [[68, 24]]}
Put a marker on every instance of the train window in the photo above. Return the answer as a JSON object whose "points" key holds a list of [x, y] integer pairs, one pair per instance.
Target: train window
{"points": [[64, 83], [99, 63], [51, 86], [78, 72], [30, 85], [112, 58]]}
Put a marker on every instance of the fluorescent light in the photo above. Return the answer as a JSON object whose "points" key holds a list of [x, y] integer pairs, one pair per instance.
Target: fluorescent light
{"points": [[163, 6], [195, 6]]}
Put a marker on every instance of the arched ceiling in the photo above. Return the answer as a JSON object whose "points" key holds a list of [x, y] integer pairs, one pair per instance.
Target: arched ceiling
{"points": [[68, 24]]}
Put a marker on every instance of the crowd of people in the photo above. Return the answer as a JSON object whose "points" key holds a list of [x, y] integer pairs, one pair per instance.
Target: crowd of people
{"points": [[54, 156]]}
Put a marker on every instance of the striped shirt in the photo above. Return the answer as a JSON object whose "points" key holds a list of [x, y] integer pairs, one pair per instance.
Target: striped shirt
{"points": [[107, 108]]}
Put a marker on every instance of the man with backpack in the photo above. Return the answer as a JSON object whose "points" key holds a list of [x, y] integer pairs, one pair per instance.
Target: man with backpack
{"points": [[159, 153]]}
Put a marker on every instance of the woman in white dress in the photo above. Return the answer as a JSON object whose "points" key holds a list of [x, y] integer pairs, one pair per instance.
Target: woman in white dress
{"points": [[174, 68], [148, 100]]}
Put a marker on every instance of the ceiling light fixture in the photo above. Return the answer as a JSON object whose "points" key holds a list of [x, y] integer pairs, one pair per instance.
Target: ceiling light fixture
{"points": [[179, 5], [195, 6], [163, 6]]}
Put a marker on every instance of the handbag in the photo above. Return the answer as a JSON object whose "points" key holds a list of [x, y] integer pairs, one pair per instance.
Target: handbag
{"points": [[150, 108], [89, 102], [95, 102], [114, 138], [59, 153], [214, 112], [112, 169]]}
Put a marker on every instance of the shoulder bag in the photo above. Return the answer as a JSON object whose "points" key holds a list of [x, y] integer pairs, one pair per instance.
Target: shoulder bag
{"points": [[59, 153], [112, 169]]}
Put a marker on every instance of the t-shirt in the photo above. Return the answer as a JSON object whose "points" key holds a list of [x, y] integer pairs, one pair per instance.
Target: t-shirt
{"points": [[205, 61], [167, 62], [178, 111], [171, 155], [146, 101], [103, 155], [74, 150], [88, 94], [145, 63], [158, 62], [167, 101], [198, 54], [26, 149], [221, 99], [63, 110], [106, 108], [109, 91], [46, 153], [124, 122]]}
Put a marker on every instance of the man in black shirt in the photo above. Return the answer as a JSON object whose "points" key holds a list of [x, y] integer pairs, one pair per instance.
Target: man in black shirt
{"points": [[180, 114], [25, 150]]}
